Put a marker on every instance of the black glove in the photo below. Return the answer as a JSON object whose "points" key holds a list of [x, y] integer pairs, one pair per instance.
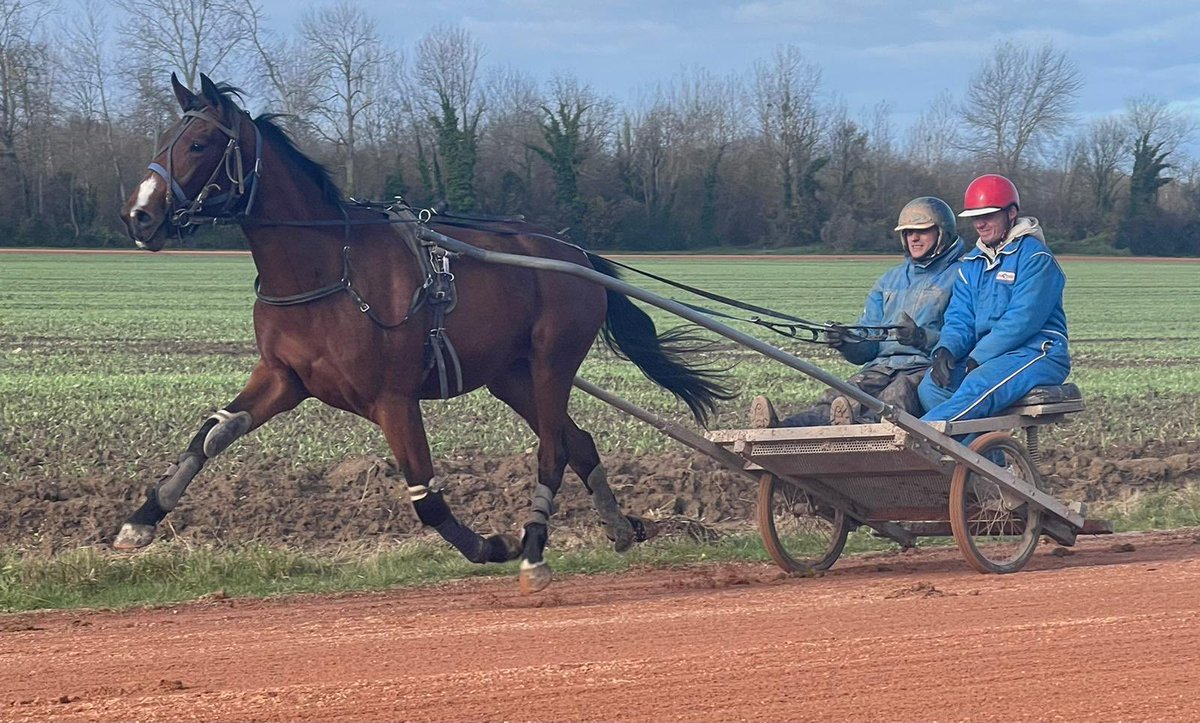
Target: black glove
{"points": [[972, 365], [838, 336], [909, 334], [943, 362]]}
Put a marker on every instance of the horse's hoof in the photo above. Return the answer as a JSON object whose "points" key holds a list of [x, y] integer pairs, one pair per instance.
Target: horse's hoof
{"points": [[133, 537], [534, 577], [503, 547], [621, 533]]}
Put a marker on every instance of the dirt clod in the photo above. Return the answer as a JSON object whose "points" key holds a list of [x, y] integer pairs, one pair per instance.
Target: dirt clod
{"points": [[917, 589], [1123, 547]]}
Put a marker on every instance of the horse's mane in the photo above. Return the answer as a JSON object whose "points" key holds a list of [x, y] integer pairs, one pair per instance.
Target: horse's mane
{"points": [[274, 133]]}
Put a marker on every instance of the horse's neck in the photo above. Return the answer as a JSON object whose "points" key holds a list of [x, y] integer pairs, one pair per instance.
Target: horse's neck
{"points": [[293, 259]]}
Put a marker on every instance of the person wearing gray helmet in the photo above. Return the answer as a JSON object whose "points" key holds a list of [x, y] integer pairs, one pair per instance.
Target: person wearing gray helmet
{"points": [[911, 296]]}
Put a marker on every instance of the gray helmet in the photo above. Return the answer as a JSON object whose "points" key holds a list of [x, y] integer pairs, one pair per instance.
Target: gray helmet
{"points": [[926, 212]]}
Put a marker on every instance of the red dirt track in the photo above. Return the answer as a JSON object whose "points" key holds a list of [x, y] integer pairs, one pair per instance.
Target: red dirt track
{"points": [[1098, 635]]}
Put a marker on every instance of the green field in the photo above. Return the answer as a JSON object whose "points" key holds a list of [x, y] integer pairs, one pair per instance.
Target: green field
{"points": [[109, 360], [108, 363]]}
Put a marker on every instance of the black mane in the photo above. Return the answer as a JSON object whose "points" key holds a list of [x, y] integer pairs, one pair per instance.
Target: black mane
{"points": [[272, 132]]}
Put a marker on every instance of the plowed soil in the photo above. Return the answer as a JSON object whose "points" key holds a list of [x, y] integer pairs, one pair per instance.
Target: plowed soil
{"points": [[362, 501], [1111, 632]]}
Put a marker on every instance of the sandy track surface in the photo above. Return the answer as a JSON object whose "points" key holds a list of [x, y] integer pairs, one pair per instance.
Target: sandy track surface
{"points": [[1107, 633]]}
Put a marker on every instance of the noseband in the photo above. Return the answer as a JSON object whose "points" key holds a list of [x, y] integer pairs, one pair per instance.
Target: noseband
{"points": [[182, 210]]}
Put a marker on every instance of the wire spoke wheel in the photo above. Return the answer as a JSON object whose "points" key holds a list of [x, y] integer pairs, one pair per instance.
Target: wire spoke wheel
{"points": [[800, 533], [996, 530]]}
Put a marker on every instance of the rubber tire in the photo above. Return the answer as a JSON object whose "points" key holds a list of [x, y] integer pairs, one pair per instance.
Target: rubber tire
{"points": [[959, 497], [769, 487]]}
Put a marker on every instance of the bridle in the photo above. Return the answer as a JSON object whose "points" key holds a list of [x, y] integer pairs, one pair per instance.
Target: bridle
{"points": [[183, 211]]}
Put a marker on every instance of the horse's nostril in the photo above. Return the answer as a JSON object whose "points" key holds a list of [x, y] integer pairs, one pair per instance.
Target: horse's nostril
{"points": [[141, 217]]}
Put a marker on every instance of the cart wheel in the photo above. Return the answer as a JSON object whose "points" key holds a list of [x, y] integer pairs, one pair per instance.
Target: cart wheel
{"points": [[800, 534], [996, 531]]}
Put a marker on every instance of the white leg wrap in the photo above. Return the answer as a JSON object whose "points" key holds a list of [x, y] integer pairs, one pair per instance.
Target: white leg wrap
{"points": [[420, 492], [229, 427]]}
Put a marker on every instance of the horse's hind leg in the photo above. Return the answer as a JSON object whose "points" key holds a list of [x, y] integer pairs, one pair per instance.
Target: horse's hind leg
{"points": [[516, 390], [405, 431], [622, 529], [270, 391]]}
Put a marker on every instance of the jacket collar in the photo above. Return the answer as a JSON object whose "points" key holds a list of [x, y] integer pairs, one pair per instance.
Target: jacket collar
{"points": [[1025, 226], [949, 255]]}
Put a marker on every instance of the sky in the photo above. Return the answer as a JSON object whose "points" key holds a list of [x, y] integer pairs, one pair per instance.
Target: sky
{"points": [[869, 51]]}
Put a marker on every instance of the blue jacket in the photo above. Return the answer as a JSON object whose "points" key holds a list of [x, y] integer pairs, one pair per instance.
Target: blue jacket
{"points": [[920, 290], [1006, 299]]}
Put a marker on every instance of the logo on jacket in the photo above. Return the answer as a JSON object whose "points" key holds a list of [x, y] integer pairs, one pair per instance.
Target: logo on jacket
{"points": [[1006, 276]]}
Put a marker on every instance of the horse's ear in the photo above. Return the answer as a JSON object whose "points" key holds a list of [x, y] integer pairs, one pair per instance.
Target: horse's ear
{"points": [[187, 99], [210, 92]]}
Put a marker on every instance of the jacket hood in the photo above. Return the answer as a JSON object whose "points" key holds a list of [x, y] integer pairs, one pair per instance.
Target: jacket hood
{"points": [[1025, 226]]}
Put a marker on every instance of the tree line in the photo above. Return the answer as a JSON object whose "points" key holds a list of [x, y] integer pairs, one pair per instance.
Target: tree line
{"points": [[765, 157]]}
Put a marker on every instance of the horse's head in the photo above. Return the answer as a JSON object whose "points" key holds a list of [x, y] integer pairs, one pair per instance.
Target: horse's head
{"points": [[201, 168]]}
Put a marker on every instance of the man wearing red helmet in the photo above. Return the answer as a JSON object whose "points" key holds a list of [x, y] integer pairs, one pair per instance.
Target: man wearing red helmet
{"points": [[911, 296], [1005, 331]]}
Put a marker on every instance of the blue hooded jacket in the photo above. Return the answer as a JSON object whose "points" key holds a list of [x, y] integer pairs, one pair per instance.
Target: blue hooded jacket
{"points": [[920, 290], [1006, 298]]}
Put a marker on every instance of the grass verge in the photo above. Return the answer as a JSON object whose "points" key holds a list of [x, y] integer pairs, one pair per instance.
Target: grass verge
{"points": [[175, 572], [169, 573]]}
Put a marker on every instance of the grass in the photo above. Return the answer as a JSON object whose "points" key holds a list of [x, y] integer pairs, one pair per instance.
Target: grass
{"points": [[109, 363], [169, 573]]}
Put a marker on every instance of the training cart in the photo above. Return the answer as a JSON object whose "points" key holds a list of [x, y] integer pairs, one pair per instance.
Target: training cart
{"points": [[902, 478]]}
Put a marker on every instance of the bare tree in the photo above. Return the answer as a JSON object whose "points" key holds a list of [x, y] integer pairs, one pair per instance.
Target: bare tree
{"points": [[24, 64], [347, 63], [647, 160], [1017, 102], [933, 141], [1167, 126], [708, 112], [187, 36], [86, 79], [513, 127], [785, 104], [1105, 146]]}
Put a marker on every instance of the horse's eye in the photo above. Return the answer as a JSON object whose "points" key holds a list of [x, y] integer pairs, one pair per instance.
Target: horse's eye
{"points": [[196, 147]]}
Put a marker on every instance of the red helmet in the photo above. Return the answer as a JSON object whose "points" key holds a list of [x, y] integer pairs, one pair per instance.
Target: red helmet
{"points": [[988, 194]]}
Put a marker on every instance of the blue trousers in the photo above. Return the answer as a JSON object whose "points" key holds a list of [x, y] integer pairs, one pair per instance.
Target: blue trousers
{"points": [[994, 385]]}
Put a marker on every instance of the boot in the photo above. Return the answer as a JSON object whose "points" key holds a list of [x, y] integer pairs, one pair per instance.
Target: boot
{"points": [[762, 413]]}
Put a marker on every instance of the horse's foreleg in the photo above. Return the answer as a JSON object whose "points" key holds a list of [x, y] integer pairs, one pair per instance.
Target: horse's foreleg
{"points": [[405, 432], [270, 391]]}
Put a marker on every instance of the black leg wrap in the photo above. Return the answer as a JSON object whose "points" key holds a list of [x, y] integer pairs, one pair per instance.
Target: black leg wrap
{"points": [[536, 537], [432, 510], [150, 513], [465, 541]]}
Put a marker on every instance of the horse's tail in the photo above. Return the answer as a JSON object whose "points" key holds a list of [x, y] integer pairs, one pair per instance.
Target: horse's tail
{"points": [[629, 332]]}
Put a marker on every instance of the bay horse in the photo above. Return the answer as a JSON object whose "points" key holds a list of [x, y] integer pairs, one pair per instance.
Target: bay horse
{"points": [[352, 310]]}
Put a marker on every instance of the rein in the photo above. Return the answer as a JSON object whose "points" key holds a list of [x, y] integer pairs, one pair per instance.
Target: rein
{"points": [[799, 329]]}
